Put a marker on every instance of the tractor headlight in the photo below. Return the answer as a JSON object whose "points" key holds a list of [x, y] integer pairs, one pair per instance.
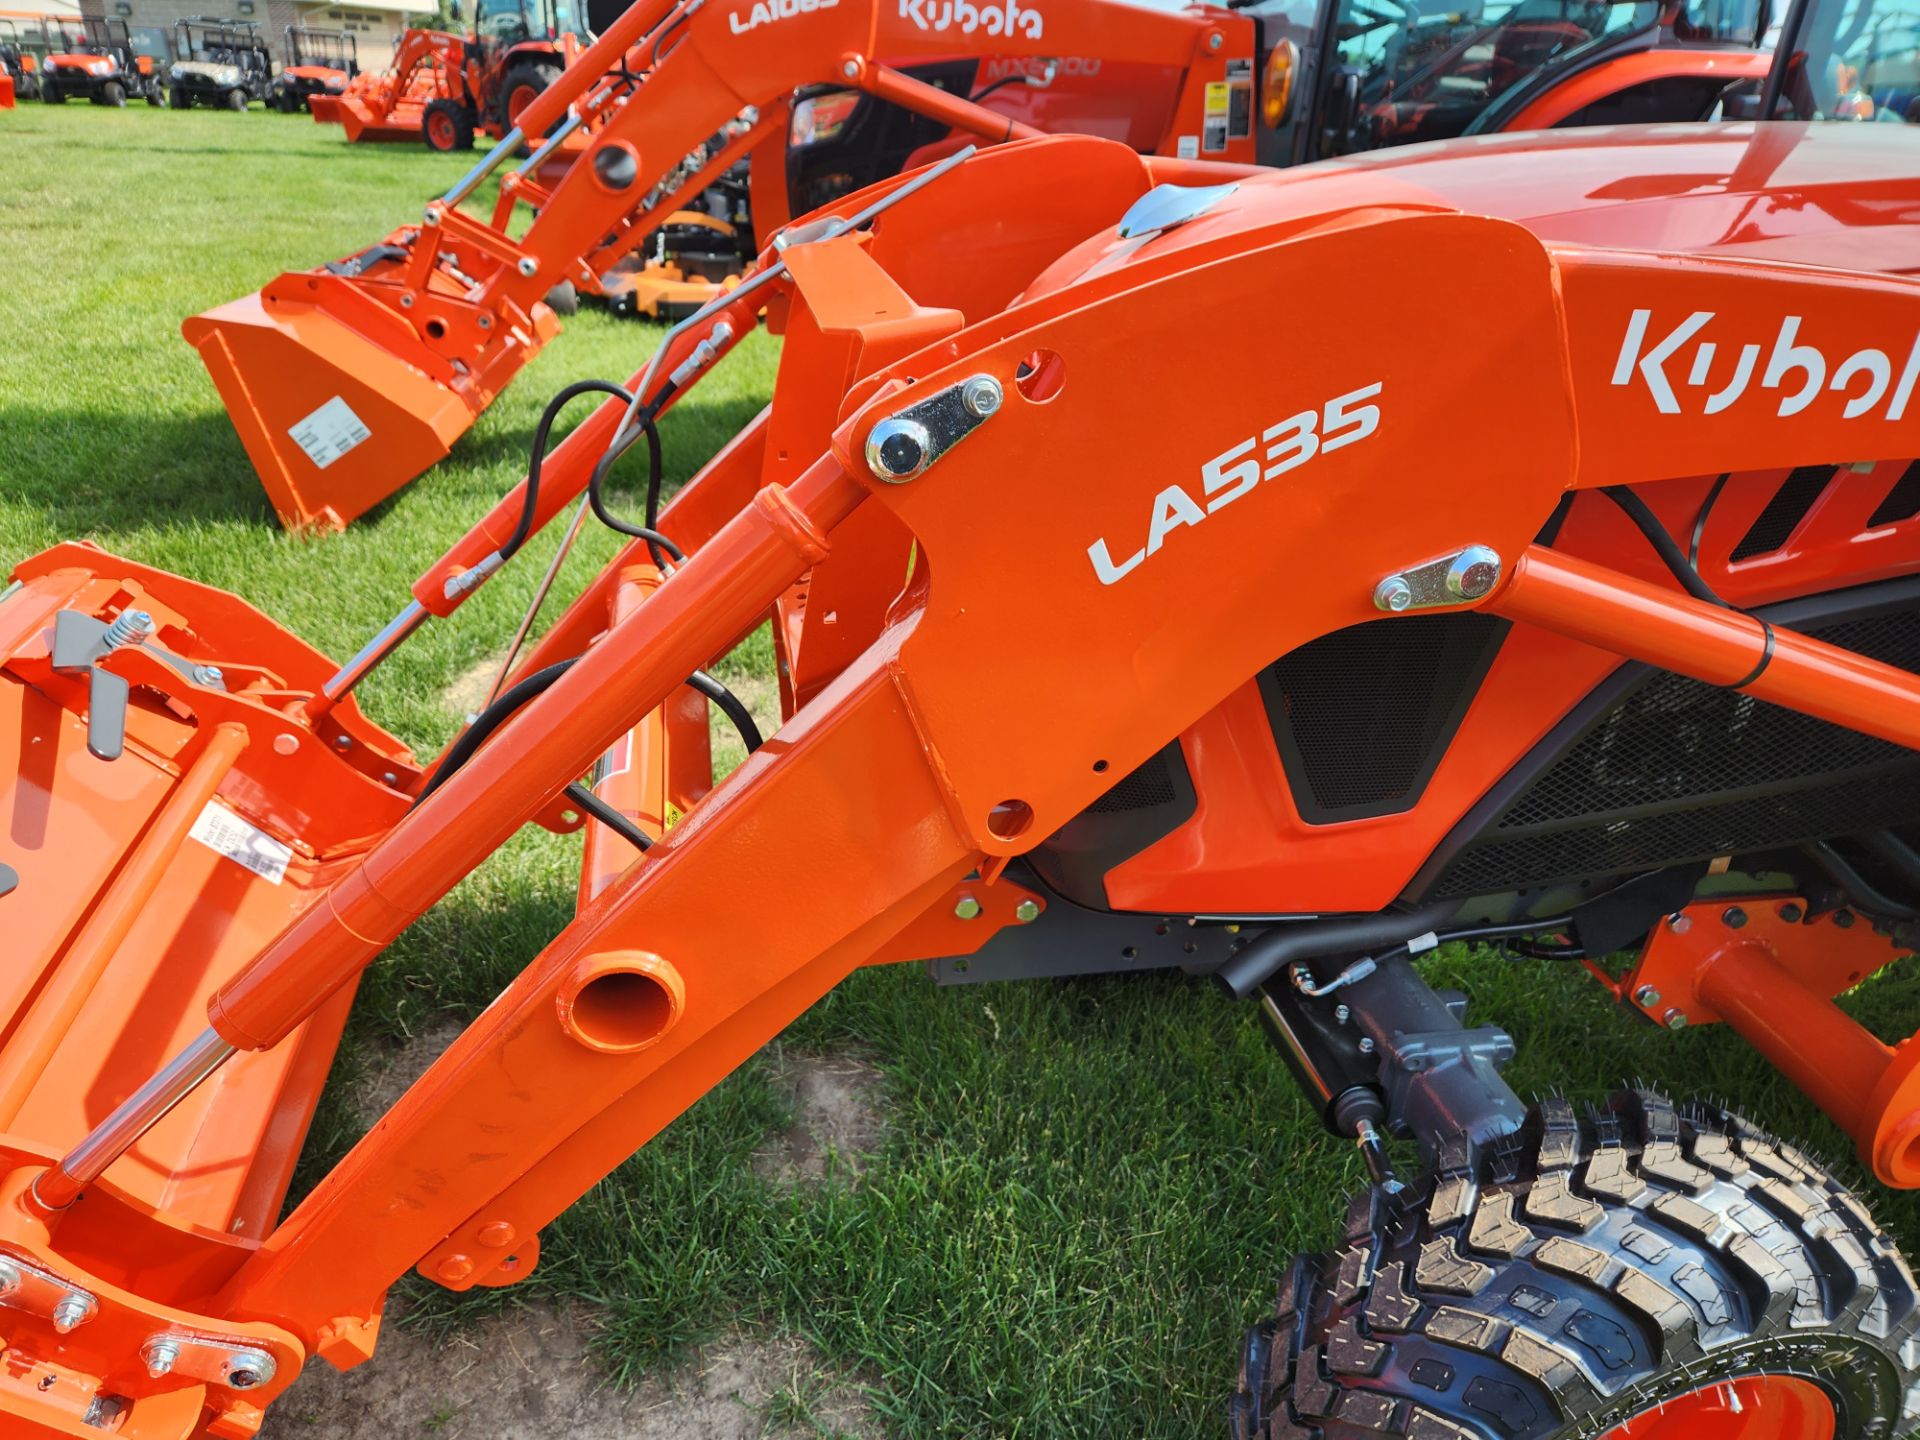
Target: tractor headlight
{"points": [[227, 75], [100, 67], [1276, 101], [176, 73]]}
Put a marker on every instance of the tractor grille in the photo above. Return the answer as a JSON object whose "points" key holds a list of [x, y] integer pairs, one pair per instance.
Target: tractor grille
{"points": [[1902, 502], [1150, 785], [1362, 715], [1676, 771], [1775, 524]]}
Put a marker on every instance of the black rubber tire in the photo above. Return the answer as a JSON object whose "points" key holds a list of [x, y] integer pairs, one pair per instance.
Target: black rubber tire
{"points": [[1593, 1268], [537, 73], [178, 99], [564, 298], [456, 126], [154, 97], [236, 99], [113, 93], [53, 95]]}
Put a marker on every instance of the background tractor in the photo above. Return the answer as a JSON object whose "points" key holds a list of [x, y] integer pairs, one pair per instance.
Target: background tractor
{"points": [[318, 62], [95, 58], [224, 64]]}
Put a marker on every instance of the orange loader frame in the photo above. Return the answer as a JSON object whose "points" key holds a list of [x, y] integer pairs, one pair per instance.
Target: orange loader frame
{"points": [[951, 451], [404, 344]]}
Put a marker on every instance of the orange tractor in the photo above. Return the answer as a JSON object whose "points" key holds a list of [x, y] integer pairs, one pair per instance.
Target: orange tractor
{"points": [[1272, 574], [406, 341], [446, 88]]}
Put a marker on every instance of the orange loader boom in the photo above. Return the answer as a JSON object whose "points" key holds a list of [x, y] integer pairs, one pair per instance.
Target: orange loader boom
{"points": [[1020, 508], [347, 381]]}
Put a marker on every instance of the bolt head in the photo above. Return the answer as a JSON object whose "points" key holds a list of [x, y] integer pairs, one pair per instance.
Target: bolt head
{"points": [[1393, 593], [529, 267], [1680, 924], [432, 215], [1791, 913], [1647, 996], [981, 395], [1342, 1014], [249, 1369], [1366, 1044], [208, 675], [454, 1269], [1026, 912], [406, 302], [71, 1313], [1474, 572], [1675, 1019], [497, 1235], [851, 69], [1843, 918], [160, 1357], [1215, 40], [967, 908], [1733, 917], [898, 449]]}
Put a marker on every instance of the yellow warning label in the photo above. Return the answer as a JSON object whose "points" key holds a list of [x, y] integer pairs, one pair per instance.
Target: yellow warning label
{"points": [[1219, 98]]}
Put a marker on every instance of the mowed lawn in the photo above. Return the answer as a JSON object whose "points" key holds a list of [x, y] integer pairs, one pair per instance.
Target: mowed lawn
{"points": [[1085, 1191]]}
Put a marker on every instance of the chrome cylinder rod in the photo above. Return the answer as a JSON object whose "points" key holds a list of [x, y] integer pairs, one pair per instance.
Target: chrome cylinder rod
{"points": [[489, 162], [134, 1117], [371, 654], [550, 144]]}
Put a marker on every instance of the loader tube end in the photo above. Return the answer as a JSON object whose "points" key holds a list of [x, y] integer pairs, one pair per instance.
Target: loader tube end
{"points": [[621, 1002]]}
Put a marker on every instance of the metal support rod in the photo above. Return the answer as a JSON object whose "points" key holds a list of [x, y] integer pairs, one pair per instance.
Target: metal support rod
{"points": [[549, 145], [489, 162], [133, 1118], [371, 654]]}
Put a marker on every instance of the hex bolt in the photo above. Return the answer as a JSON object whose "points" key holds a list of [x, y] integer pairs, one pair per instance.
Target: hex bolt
{"points": [[1679, 923], [1843, 918], [134, 627], [343, 742], [1675, 1019], [1026, 912], [1342, 1014], [1393, 593], [73, 1311], [1215, 40], [209, 675], [161, 1354], [1791, 913], [851, 69], [529, 267], [967, 908], [406, 302], [1646, 997], [432, 215], [981, 395], [898, 449], [1733, 917], [1366, 1044]]}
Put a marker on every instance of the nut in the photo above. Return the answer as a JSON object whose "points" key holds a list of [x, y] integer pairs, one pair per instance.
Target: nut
{"points": [[1646, 997], [967, 908], [1393, 593], [1026, 912]]}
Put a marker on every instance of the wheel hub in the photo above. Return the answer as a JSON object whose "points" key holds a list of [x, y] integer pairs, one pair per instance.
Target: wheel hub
{"points": [[1756, 1407]]}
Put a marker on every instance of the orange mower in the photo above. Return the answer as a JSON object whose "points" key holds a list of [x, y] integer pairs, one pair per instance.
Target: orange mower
{"points": [[1514, 539], [406, 341]]}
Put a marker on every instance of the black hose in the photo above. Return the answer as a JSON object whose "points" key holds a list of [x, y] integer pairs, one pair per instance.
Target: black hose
{"points": [[539, 456], [1309, 940], [731, 705], [1862, 891], [1664, 545], [600, 810], [490, 720], [1700, 521]]}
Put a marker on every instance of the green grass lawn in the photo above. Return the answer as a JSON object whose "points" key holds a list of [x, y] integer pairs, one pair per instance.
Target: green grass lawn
{"points": [[1086, 1189]]}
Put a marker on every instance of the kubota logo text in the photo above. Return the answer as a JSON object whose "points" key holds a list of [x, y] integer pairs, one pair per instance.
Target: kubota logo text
{"points": [[1007, 17], [765, 12], [1861, 383], [1284, 446]]}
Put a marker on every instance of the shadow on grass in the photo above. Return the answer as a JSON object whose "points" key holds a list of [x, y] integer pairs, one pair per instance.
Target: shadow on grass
{"points": [[94, 472]]}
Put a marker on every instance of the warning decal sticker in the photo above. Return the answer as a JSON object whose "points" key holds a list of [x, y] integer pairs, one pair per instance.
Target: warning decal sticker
{"points": [[330, 432], [224, 832]]}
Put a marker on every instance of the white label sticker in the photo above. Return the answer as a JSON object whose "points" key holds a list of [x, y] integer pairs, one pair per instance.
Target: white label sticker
{"points": [[219, 829], [330, 432], [1189, 147]]}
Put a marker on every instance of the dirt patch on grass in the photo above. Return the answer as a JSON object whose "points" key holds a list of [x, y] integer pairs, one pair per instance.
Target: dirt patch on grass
{"points": [[392, 1069], [468, 692], [530, 1376], [761, 696], [836, 1119]]}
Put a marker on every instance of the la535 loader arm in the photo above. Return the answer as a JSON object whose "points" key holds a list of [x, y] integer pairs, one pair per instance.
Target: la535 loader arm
{"points": [[1036, 558], [348, 380]]}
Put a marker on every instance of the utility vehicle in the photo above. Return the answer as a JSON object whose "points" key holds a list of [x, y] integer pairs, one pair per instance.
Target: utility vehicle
{"points": [[318, 62], [95, 58], [222, 63], [19, 61]]}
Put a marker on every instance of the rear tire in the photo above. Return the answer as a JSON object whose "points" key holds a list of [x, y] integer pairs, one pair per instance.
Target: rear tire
{"points": [[1590, 1272], [178, 99], [154, 97], [236, 99], [447, 126], [564, 298], [113, 93], [53, 94], [525, 80]]}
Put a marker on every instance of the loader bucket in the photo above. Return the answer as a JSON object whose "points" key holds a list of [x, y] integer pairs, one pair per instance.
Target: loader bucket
{"points": [[325, 109], [139, 869], [338, 400]]}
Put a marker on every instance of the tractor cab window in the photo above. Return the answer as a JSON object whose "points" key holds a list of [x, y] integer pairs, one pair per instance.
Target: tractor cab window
{"points": [[1856, 60], [508, 21], [151, 41]]}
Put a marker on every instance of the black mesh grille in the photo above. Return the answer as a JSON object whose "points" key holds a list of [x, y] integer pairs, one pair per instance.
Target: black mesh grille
{"points": [[1362, 715], [1902, 502], [1150, 785], [1679, 771], [1789, 506]]}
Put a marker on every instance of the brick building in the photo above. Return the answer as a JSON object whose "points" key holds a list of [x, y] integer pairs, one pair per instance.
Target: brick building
{"points": [[375, 26]]}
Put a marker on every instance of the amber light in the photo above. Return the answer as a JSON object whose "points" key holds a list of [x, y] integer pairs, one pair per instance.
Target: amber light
{"points": [[1277, 92]]}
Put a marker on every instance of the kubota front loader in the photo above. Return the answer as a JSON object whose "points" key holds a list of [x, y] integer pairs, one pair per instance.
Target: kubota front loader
{"points": [[406, 341], [1275, 575]]}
